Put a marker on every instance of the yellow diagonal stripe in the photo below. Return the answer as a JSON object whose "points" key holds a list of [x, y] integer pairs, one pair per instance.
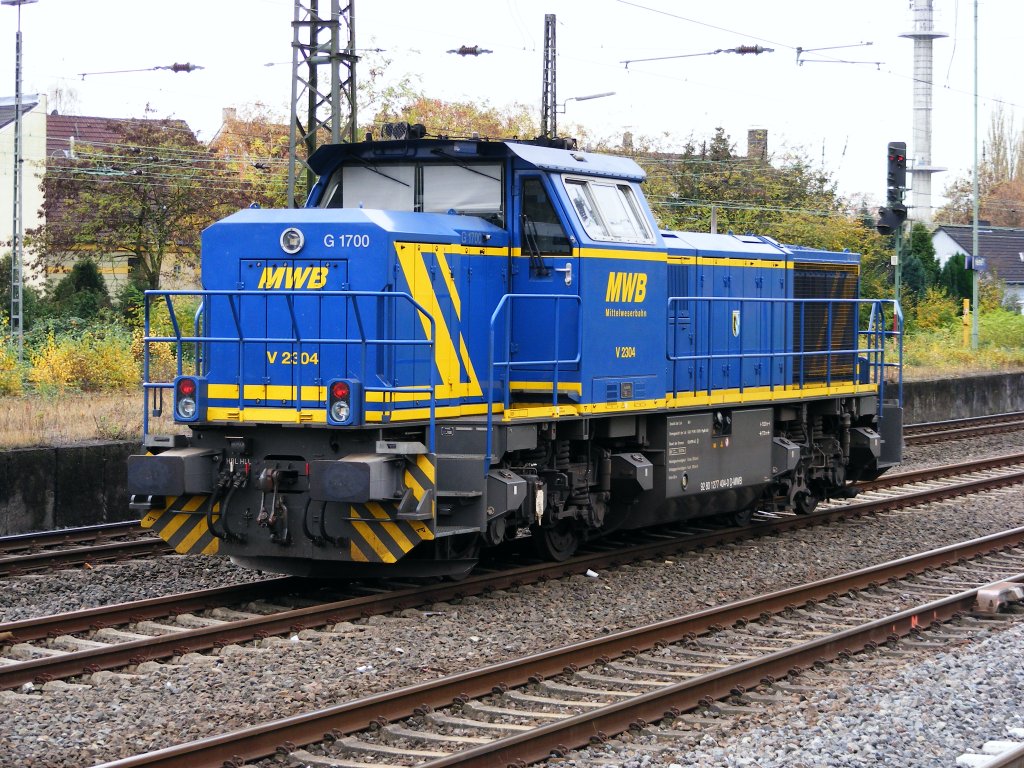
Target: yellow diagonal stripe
{"points": [[420, 287], [172, 527], [357, 555], [197, 532], [370, 538], [426, 466], [410, 482], [393, 529]]}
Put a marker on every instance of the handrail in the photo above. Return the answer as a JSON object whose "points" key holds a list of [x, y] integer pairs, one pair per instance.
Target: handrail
{"points": [[555, 363], [876, 335], [201, 336]]}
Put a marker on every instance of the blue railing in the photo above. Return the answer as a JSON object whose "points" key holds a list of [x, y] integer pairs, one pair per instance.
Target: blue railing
{"points": [[350, 309], [554, 363], [788, 335]]}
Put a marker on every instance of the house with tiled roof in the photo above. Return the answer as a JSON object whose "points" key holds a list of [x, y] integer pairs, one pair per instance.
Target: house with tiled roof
{"points": [[63, 134], [49, 140], [1000, 253], [66, 134]]}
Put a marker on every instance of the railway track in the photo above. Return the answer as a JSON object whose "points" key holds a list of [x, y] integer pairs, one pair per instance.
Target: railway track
{"points": [[48, 550], [926, 433], [110, 542], [66, 645], [525, 710]]}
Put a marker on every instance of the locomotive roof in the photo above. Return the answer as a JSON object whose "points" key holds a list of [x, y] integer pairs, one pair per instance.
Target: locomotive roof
{"points": [[748, 246], [707, 244], [546, 158]]}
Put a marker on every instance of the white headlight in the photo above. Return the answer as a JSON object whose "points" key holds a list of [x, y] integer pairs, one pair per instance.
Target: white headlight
{"points": [[292, 240], [339, 411], [186, 407]]}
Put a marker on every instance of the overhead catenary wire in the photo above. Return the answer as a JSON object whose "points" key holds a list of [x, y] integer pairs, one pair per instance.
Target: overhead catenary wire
{"points": [[739, 49], [186, 67]]}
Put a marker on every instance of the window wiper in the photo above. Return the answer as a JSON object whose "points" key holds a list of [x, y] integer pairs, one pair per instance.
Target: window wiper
{"points": [[529, 231], [463, 164], [366, 163]]}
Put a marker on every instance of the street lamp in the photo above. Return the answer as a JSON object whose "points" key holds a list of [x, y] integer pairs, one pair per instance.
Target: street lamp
{"points": [[17, 230], [561, 109], [585, 98]]}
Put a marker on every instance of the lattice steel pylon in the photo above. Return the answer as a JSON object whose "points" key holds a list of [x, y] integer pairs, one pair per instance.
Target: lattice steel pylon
{"points": [[549, 103], [323, 85]]}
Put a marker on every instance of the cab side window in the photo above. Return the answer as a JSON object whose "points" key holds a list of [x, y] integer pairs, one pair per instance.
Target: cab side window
{"points": [[540, 228], [608, 210]]}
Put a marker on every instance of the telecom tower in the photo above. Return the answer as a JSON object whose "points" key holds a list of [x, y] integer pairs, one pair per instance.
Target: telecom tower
{"points": [[921, 153], [323, 84]]}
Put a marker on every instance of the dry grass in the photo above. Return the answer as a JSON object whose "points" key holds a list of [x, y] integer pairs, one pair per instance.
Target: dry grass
{"points": [[72, 417], [75, 417]]}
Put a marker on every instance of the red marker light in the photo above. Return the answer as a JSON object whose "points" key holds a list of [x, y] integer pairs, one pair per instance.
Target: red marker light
{"points": [[187, 387], [339, 390]]}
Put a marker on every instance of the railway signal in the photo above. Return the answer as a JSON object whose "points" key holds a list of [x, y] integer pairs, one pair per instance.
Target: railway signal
{"points": [[896, 177], [892, 216]]}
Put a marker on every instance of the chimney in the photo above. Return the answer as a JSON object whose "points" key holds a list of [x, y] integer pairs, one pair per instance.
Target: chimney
{"points": [[757, 145], [229, 114], [627, 141]]}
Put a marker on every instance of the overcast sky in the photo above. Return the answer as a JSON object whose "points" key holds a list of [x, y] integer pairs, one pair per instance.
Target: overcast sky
{"points": [[841, 115]]}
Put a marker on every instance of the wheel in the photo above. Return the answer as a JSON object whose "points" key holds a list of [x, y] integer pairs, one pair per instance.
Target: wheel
{"points": [[805, 502], [558, 542], [742, 518]]}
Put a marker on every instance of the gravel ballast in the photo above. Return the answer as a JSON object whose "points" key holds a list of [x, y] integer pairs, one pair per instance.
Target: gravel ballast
{"points": [[921, 713], [115, 715]]}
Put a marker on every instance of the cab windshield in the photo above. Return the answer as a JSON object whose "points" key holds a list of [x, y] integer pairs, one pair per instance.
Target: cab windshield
{"points": [[474, 189]]}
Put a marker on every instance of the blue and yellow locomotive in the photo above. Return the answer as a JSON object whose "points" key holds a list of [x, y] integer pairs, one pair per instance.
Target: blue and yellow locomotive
{"points": [[457, 342]]}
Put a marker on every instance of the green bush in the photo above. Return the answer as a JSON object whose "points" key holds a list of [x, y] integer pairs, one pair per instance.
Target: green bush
{"points": [[1002, 329], [935, 309]]}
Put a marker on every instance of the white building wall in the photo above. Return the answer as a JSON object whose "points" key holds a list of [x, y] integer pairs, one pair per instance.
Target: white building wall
{"points": [[945, 247], [33, 147]]}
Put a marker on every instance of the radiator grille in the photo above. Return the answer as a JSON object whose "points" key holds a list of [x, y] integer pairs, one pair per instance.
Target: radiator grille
{"points": [[811, 321]]}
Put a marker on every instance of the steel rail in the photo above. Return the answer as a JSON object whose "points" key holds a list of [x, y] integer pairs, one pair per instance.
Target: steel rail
{"points": [[206, 638], [262, 740], [25, 630], [146, 544], [890, 480], [116, 550], [948, 435], [936, 426], [578, 730], [913, 433], [20, 541]]}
